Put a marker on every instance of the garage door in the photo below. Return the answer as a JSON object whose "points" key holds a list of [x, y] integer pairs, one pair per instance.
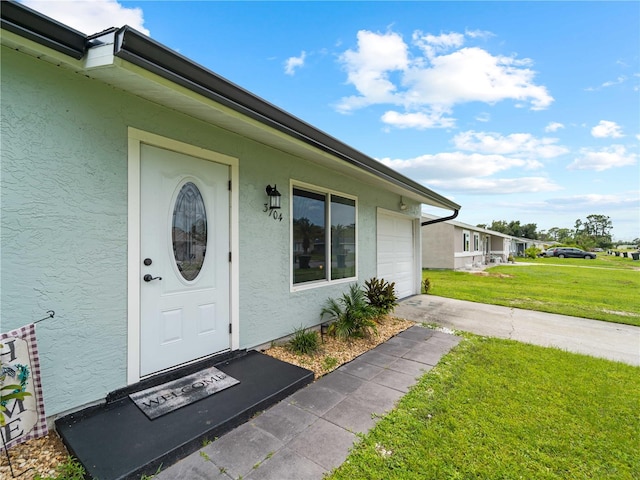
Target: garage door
{"points": [[396, 253]]}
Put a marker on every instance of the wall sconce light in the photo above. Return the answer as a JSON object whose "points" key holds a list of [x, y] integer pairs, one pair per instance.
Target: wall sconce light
{"points": [[403, 206], [274, 197]]}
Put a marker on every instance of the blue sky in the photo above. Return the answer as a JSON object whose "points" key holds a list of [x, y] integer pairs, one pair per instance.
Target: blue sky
{"points": [[523, 111]]}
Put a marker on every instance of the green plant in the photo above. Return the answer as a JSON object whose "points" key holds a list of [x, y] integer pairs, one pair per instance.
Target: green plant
{"points": [[532, 252], [426, 285], [329, 363], [304, 342], [68, 470], [381, 294], [510, 258], [354, 317]]}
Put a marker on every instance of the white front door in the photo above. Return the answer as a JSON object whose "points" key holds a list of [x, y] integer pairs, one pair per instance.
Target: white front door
{"points": [[184, 255]]}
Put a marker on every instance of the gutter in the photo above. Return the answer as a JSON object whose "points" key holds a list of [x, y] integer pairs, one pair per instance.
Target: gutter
{"points": [[146, 53], [443, 219], [140, 50], [28, 23]]}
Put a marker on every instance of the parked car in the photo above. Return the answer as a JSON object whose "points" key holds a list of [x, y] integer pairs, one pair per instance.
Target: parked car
{"points": [[547, 253], [570, 252]]}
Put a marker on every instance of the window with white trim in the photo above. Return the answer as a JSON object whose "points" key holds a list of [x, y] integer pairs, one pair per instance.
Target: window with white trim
{"points": [[465, 241], [476, 242], [323, 225]]}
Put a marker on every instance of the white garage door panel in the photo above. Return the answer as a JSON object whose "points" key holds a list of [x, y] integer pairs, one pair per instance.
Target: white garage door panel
{"points": [[396, 260]]}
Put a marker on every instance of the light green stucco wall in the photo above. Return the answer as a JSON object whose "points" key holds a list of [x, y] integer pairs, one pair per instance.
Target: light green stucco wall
{"points": [[64, 224]]}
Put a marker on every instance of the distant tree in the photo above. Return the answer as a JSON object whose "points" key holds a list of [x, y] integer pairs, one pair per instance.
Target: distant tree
{"points": [[598, 225], [552, 234], [514, 228], [529, 231], [594, 231], [564, 235], [500, 226]]}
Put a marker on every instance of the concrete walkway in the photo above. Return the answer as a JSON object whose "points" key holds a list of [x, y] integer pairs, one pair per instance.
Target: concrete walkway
{"points": [[591, 337], [311, 432]]}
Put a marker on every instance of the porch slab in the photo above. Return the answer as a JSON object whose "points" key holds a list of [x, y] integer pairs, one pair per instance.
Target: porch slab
{"points": [[117, 441]]}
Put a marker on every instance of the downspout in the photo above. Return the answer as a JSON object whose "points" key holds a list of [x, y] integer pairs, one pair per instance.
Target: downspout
{"points": [[443, 219]]}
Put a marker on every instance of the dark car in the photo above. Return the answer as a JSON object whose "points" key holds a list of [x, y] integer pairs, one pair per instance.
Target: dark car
{"points": [[570, 252]]}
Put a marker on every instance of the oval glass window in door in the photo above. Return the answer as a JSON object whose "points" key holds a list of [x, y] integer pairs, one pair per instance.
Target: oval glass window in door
{"points": [[189, 231]]}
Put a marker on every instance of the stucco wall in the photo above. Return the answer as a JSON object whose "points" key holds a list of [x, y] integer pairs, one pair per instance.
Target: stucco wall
{"points": [[64, 224], [438, 245]]}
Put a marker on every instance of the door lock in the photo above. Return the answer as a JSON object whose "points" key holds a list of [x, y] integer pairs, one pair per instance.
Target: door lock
{"points": [[148, 278]]}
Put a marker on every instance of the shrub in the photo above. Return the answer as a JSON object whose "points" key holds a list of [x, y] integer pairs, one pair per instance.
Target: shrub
{"points": [[304, 342], [354, 317], [381, 295], [426, 285], [532, 252]]}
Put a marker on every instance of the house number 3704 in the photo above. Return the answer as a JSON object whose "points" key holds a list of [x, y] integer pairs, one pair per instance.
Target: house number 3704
{"points": [[273, 213]]}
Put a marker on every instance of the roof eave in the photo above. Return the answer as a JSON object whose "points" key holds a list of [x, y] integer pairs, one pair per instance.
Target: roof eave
{"points": [[41, 29], [142, 51]]}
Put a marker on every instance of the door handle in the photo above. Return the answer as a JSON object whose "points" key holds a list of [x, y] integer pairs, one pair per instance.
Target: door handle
{"points": [[148, 278]]}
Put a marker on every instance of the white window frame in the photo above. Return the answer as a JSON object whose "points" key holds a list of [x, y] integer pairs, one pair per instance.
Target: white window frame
{"points": [[476, 242], [466, 239], [296, 287]]}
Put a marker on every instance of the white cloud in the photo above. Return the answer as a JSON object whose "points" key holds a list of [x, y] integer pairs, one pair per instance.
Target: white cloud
{"points": [[610, 83], [607, 129], [383, 71], [418, 120], [432, 44], [593, 201], [603, 159], [457, 165], [483, 117], [521, 144], [617, 81], [553, 127], [496, 186], [369, 67], [90, 16], [292, 63]]}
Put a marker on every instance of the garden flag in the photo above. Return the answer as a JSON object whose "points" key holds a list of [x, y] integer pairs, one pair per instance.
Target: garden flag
{"points": [[22, 414]]}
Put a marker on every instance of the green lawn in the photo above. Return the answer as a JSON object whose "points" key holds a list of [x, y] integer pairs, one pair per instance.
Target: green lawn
{"points": [[501, 409], [604, 289]]}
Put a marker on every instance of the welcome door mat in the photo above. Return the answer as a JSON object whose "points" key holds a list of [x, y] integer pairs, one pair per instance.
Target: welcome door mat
{"points": [[162, 399]]}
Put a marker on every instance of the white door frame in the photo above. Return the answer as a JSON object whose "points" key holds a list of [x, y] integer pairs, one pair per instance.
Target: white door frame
{"points": [[136, 138]]}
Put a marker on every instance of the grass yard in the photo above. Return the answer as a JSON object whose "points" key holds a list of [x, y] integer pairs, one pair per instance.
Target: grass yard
{"points": [[501, 409], [568, 286]]}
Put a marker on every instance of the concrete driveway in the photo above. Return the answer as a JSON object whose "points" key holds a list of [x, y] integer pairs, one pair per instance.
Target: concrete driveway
{"points": [[591, 337]]}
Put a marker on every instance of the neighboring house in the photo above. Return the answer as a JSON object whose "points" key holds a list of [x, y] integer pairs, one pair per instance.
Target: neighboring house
{"points": [[456, 245], [134, 205], [520, 245]]}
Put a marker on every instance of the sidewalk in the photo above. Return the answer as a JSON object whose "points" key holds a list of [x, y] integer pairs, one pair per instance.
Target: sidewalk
{"points": [[311, 432], [612, 341]]}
